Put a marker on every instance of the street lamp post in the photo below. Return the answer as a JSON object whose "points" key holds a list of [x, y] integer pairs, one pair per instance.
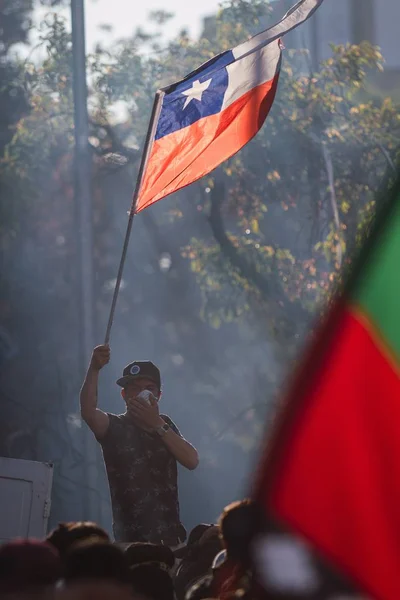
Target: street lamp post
{"points": [[84, 215]]}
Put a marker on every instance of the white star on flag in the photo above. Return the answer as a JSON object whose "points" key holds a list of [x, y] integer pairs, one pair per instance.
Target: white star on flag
{"points": [[196, 91]]}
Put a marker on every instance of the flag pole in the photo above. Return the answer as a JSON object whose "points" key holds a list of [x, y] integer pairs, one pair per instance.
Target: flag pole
{"points": [[155, 113]]}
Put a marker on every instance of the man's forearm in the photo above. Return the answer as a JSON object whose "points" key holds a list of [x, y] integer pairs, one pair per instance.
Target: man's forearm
{"points": [[88, 395], [182, 450]]}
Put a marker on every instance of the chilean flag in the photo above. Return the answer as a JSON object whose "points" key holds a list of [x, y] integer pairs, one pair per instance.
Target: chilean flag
{"points": [[208, 116]]}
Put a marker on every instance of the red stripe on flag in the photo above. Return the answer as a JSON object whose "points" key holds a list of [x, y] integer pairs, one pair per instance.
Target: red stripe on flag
{"points": [[184, 156], [337, 477]]}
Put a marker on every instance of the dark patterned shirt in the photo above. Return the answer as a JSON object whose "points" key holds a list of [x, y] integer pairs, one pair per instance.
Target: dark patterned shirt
{"points": [[143, 479]]}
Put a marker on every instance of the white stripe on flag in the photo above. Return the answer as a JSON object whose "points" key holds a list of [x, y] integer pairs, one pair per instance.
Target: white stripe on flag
{"points": [[250, 71], [299, 13]]}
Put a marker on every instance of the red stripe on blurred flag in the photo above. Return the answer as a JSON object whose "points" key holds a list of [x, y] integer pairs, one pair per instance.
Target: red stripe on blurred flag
{"points": [[184, 156]]}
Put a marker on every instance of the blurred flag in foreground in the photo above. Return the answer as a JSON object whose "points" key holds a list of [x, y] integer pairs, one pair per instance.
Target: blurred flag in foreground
{"points": [[199, 122], [332, 470]]}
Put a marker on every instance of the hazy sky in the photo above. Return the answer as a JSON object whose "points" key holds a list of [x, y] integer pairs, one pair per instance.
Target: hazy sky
{"points": [[124, 16]]}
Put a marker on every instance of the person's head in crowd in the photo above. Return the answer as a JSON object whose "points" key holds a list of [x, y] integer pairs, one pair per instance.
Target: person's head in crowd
{"points": [[96, 560], [28, 564], [232, 570], [197, 532], [203, 538], [202, 588], [197, 558], [146, 552], [238, 524], [67, 534], [152, 582], [194, 536]]}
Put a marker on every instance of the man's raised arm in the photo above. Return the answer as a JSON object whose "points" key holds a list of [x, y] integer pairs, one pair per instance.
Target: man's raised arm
{"points": [[96, 419]]}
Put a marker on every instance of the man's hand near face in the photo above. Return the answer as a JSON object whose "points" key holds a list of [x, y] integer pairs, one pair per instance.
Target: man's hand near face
{"points": [[146, 414]]}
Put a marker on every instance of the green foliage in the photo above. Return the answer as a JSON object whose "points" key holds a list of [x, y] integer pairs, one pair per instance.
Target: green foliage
{"points": [[294, 201]]}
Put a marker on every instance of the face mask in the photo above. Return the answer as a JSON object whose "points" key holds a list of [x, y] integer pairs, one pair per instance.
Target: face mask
{"points": [[146, 395]]}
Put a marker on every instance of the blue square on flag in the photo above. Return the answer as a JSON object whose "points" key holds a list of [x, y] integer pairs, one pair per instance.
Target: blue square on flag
{"points": [[194, 98]]}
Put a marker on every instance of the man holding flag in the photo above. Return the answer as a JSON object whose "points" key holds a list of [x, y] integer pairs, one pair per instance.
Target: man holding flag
{"points": [[195, 125]]}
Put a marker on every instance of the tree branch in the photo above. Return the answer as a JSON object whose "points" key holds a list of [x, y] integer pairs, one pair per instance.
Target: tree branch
{"points": [[387, 156], [116, 147], [332, 193], [245, 269]]}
